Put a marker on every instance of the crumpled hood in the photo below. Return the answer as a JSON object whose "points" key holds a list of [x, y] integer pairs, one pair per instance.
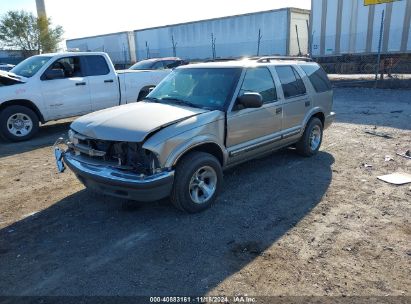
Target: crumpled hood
{"points": [[132, 122], [7, 78]]}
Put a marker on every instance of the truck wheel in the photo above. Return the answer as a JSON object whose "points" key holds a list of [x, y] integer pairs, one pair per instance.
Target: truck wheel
{"points": [[18, 123], [310, 142], [197, 182]]}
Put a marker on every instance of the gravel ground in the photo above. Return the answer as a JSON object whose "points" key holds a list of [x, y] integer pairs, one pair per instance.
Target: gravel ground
{"points": [[284, 225]]}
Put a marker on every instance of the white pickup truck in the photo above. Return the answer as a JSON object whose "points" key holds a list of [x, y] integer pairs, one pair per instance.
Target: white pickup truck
{"points": [[60, 85]]}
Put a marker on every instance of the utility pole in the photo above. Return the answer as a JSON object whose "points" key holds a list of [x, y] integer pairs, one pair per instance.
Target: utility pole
{"points": [[41, 9]]}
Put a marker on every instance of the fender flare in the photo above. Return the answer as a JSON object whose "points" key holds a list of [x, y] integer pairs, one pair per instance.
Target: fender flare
{"points": [[23, 102]]}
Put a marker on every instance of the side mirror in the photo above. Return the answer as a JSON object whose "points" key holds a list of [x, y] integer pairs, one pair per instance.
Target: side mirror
{"points": [[250, 100], [54, 74]]}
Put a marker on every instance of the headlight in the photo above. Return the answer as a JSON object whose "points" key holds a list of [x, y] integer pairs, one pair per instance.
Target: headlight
{"points": [[71, 136]]}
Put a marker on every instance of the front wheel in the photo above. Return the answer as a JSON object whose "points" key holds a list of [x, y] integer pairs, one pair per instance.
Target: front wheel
{"points": [[18, 123], [197, 182], [311, 140]]}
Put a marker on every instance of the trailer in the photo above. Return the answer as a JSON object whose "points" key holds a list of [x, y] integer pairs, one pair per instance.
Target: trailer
{"points": [[279, 32], [347, 36], [119, 46]]}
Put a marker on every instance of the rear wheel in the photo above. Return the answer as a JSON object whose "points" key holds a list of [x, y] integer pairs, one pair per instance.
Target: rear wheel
{"points": [[311, 140], [18, 123], [197, 182]]}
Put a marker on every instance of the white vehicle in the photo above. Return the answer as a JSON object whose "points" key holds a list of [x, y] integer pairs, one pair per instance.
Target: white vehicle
{"points": [[55, 86]]}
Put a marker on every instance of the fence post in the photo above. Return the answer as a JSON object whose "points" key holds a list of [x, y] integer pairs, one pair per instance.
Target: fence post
{"points": [[377, 70], [259, 42], [174, 46], [147, 50], [309, 39], [298, 40], [213, 39]]}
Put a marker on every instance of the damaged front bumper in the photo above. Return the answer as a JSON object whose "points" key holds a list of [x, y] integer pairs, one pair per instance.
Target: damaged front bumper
{"points": [[115, 182]]}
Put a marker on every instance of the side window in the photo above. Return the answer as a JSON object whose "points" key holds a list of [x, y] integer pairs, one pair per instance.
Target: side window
{"points": [[159, 65], [259, 80], [171, 64], [70, 66], [96, 65], [290, 81], [318, 77]]}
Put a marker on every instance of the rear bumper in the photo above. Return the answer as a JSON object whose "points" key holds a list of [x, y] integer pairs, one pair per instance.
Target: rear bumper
{"points": [[329, 119], [118, 183]]}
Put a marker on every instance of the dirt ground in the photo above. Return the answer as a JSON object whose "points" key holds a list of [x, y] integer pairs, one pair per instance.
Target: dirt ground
{"points": [[284, 225]]}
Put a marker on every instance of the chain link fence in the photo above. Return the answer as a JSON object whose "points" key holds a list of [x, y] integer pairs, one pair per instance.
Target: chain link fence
{"points": [[386, 71]]}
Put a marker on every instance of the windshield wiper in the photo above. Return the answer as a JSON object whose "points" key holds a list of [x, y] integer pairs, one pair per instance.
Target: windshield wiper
{"points": [[152, 99], [182, 102]]}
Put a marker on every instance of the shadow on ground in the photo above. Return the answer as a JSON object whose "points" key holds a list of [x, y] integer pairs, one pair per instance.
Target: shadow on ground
{"points": [[46, 136], [87, 244]]}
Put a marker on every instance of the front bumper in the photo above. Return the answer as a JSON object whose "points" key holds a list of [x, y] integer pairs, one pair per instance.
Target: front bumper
{"points": [[329, 119], [118, 183]]}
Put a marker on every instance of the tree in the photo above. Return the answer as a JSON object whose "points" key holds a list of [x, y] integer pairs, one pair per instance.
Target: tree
{"points": [[22, 30]]}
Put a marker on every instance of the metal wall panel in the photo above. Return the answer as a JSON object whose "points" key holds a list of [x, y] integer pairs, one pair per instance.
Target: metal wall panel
{"points": [[396, 26], [115, 45], [299, 20], [346, 26], [316, 11], [235, 37], [331, 28], [409, 39], [360, 27]]}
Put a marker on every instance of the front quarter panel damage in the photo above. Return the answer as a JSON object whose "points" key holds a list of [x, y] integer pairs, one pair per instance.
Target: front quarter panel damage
{"points": [[172, 142]]}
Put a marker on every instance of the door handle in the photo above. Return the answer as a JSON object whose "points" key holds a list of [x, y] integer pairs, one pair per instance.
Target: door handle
{"points": [[307, 103], [108, 80], [80, 83], [278, 110]]}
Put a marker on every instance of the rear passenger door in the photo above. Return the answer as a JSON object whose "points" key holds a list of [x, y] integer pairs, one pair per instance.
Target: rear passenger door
{"points": [[296, 101], [321, 85], [103, 83]]}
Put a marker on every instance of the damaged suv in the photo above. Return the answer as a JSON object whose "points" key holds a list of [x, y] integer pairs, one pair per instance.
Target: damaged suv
{"points": [[201, 119]]}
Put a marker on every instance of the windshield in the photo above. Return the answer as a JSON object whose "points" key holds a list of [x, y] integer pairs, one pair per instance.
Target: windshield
{"points": [[209, 88], [142, 65], [30, 66]]}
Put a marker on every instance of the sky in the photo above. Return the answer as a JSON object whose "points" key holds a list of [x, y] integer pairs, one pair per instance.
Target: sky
{"points": [[81, 18]]}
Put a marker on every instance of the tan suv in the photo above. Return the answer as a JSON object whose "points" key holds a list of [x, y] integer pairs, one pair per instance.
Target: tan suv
{"points": [[201, 119]]}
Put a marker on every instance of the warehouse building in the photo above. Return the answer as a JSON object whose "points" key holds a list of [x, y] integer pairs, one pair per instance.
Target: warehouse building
{"points": [[280, 32]]}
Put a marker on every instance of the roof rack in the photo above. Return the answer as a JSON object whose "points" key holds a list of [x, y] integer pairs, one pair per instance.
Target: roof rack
{"points": [[269, 58]]}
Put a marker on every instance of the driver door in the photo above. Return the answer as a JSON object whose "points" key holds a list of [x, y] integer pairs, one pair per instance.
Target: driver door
{"points": [[251, 131], [68, 96]]}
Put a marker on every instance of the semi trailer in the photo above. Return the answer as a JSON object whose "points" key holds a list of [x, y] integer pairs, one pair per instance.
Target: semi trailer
{"points": [[347, 36]]}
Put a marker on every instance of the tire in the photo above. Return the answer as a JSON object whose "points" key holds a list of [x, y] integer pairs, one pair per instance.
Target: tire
{"points": [[307, 145], [26, 123], [187, 189]]}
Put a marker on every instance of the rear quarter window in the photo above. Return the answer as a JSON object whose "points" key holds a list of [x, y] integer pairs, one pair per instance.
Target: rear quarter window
{"points": [[96, 65], [318, 77]]}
